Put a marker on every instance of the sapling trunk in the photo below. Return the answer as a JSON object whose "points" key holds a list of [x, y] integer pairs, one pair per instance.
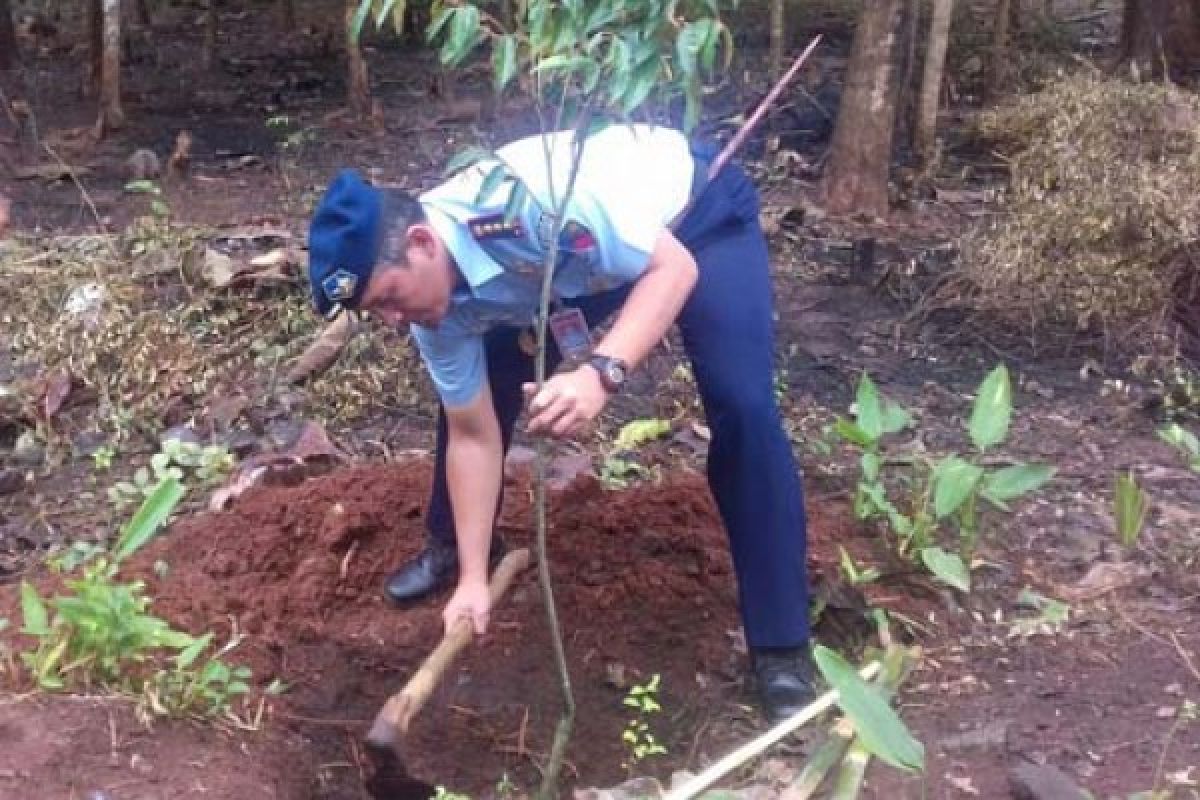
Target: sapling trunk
{"points": [[562, 732]]}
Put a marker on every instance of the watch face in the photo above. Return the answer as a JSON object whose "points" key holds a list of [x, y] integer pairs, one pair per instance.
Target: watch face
{"points": [[616, 372]]}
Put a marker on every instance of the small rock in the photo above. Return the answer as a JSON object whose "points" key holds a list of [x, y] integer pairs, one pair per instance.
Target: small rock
{"points": [[1166, 712], [1036, 782], [27, 450], [179, 433]]}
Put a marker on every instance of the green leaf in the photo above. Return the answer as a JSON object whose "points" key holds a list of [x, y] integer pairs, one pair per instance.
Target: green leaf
{"points": [[689, 44], [640, 431], [516, 201], [954, 481], [948, 568], [440, 17], [1130, 504], [143, 187], [188, 655], [153, 512], [464, 34], [641, 84], [504, 61], [852, 433], [1012, 482], [563, 62], [876, 414], [992, 411], [880, 729], [33, 611], [360, 16], [467, 157], [491, 182]]}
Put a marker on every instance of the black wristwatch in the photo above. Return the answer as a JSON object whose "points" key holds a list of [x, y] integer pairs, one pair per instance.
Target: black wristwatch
{"points": [[612, 371]]}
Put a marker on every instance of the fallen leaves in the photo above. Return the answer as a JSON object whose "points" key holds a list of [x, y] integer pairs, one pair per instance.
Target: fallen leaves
{"points": [[222, 271], [311, 451], [324, 351], [1104, 577]]}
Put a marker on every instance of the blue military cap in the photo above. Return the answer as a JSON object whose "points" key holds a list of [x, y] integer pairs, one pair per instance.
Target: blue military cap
{"points": [[343, 241]]}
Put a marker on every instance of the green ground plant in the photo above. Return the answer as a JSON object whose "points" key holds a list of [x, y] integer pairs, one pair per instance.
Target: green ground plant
{"points": [[99, 633], [1184, 441], [638, 736], [180, 460], [920, 496], [1130, 506]]}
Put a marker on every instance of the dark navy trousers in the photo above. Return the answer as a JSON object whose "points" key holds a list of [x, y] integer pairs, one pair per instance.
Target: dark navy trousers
{"points": [[727, 330]]}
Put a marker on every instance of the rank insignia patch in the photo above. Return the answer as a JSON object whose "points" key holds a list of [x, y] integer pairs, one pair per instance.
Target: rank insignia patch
{"points": [[494, 226]]}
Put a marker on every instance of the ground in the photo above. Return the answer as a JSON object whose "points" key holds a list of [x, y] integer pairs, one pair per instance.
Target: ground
{"points": [[642, 574]]}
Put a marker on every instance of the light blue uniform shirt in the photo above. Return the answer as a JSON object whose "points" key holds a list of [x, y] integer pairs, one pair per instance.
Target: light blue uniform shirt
{"points": [[632, 181]]}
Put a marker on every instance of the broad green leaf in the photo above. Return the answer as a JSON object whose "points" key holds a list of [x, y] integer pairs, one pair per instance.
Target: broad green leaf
{"points": [[852, 433], [153, 512], [954, 481], [639, 431], [948, 568], [1130, 504], [641, 84], [1012, 482], [880, 729], [464, 34], [895, 418], [504, 61], [868, 408], [33, 611], [992, 411]]}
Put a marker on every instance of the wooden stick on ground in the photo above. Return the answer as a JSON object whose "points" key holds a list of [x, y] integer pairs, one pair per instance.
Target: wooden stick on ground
{"points": [[755, 747], [396, 715]]}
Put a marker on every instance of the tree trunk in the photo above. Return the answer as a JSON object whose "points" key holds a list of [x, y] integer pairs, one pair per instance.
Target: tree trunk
{"points": [[8, 38], [931, 79], [857, 178], [208, 53], [1161, 36], [358, 86], [775, 53], [93, 69], [287, 14], [111, 115], [906, 90], [998, 68]]}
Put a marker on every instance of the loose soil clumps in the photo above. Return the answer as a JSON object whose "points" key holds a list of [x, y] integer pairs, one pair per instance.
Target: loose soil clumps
{"points": [[643, 581]]}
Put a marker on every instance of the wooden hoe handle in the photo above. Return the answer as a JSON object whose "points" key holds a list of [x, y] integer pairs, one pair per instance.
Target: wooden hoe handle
{"points": [[396, 715]]}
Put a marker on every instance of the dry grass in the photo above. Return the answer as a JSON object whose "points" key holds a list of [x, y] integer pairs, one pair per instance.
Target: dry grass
{"points": [[1098, 225], [162, 346]]}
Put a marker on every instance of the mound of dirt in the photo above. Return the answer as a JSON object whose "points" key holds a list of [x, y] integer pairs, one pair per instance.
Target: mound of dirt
{"points": [[643, 582]]}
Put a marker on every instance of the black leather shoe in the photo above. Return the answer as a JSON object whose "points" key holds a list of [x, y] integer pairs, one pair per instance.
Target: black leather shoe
{"points": [[785, 680], [432, 569]]}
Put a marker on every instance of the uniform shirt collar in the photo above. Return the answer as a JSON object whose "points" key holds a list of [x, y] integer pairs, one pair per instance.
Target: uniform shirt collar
{"points": [[474, 264]]}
